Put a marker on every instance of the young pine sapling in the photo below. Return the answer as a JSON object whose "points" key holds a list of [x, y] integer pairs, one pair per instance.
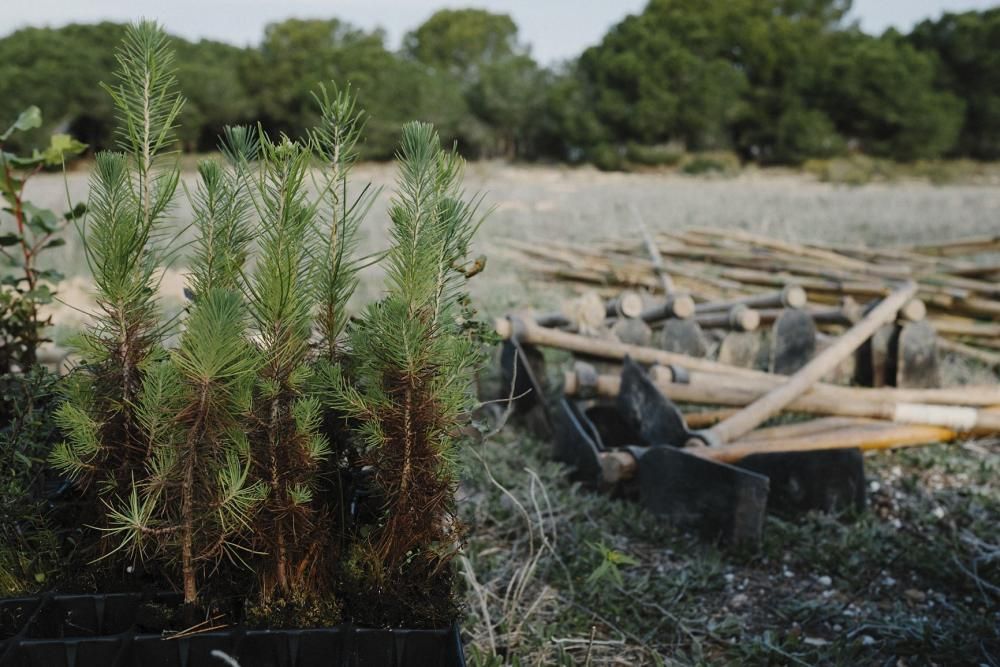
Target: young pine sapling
{"points": [[413, 357], [130, 195]]}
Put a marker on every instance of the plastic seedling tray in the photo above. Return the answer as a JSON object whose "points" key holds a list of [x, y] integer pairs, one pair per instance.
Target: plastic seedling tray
{"points": [[109, 631]]}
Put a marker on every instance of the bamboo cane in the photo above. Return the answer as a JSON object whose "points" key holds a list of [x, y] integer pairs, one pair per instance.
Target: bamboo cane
{"points": [[823, 399], [862, 437], [621, 465], [789, 296], [738, 318], [654, 254], [967, 246]]}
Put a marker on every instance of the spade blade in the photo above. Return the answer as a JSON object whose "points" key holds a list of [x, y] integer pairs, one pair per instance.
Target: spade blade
{"points": [[716, 500], [642, 406], [917, 357], [793, 341], [683, 337], [826, 481], [739, 348]]}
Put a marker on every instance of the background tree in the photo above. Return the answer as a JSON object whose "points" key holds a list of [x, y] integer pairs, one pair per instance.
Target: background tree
{"points": [[60, 70], [462, 41], [211, 76], [966, 48], [880, 93], [502, 89]]}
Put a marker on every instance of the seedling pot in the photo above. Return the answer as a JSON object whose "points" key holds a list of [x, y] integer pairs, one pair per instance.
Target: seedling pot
{"points": [[116, 631]]}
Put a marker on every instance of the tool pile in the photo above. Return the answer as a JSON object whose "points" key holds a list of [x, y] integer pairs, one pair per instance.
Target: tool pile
{"points": [[740, 329]]}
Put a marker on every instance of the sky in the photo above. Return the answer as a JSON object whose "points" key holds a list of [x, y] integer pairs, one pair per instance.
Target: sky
{"points": [[555, 29]]}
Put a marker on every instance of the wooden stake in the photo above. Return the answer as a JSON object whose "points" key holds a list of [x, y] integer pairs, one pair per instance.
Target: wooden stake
{"points": [[789, 296], [739, 318]]}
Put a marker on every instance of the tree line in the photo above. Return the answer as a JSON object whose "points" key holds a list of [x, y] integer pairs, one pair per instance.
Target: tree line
{"points": [[775, 81]]}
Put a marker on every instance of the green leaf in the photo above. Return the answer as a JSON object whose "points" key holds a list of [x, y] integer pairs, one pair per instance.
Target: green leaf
{"points": [[25, 161], [55, 243], [78, 211], [9, 188], [41, 220], [9, 239], [29, 119], [41, 294], [60, 146], [50, 275]]}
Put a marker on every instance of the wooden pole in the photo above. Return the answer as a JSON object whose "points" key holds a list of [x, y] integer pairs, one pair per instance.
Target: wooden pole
{"points": [[620, 465], [789, 296], [680, 306], [861, 437], [738, 318], [654, 253], [881, 403], [710, 388]]}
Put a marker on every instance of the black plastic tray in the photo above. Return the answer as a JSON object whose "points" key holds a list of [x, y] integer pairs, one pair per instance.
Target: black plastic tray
{"points": [[107, 631]]}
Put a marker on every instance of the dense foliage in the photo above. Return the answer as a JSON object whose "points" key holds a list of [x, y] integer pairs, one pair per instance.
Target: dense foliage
{"points": [[777, 81]]}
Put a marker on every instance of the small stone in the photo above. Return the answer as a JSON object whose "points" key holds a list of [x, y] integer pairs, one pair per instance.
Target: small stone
{"points": [[825, 581], [938, 512], [729, 577], [915, 595], [867, 640], [837, 627], [896, 471], [874, 486], [815, 641], [738, 600], [889, 581]]}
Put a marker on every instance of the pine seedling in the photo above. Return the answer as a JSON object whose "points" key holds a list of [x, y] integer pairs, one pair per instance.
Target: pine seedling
{"points": [[197, 498], [335, 270], [414, 360], [130, 194], [288, 445]]}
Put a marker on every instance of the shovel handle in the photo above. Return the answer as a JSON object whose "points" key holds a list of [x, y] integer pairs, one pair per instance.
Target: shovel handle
{"points": [[777, 399]]}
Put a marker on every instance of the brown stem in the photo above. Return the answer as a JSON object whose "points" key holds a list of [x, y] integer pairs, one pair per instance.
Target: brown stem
{"points": [[187, 505], [272, 441], [28, 258]]}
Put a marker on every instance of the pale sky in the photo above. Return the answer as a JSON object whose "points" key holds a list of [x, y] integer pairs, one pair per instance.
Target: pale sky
{"points": [[555, 29]]}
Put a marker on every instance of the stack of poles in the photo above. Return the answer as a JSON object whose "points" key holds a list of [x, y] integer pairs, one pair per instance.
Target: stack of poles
{"points": [[958, 281], [740, 281]]}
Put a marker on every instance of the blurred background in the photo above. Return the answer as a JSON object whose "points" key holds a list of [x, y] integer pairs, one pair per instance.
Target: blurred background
{"points": [[620, 84]]}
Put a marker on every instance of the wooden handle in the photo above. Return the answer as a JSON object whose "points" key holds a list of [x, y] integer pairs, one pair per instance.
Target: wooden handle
{"points": [[679, 306], [738, 318], [627, 304], [861, 437], [715, 389], [530, 333], [620, 465], [777, 399], [790, 296]]}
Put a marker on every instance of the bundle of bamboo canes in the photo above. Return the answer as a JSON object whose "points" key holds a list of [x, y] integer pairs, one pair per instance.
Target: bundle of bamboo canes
{"points": [[958, 281]]}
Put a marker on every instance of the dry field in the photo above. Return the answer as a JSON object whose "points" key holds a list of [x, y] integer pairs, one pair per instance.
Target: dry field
{"points": [[915, 579]]}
